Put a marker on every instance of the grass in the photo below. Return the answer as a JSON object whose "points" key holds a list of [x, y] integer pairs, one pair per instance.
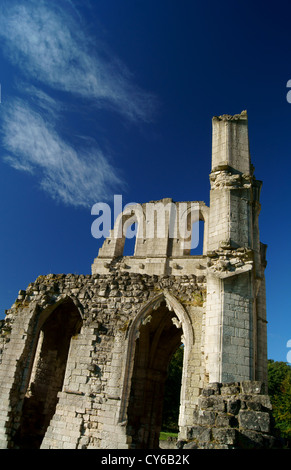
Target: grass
{"points": [[164, 435]]}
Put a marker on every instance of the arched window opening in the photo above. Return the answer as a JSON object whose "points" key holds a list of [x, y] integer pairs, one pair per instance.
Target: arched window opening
{"points": [[159, 337], [47, 374], [130, 240], [197, 238]]}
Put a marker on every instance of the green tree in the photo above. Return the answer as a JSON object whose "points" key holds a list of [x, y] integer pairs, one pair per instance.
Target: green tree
{"points": [[172, 392], [279, 384]]}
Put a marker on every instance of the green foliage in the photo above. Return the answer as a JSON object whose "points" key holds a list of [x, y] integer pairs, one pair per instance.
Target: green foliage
{"points": [[172, 392], [165, 435], [279, 383]]}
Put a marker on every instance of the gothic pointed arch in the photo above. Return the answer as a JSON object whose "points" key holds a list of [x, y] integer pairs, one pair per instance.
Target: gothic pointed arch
{"points": [[154, 335], [45, 366]]}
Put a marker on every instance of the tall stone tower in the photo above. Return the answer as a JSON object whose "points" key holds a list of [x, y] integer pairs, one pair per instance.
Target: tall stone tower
{"points": [[84, 359], [236, 311]]}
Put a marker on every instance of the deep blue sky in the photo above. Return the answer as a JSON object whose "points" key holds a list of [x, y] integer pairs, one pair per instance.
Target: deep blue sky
{"points": [[116, 97]]}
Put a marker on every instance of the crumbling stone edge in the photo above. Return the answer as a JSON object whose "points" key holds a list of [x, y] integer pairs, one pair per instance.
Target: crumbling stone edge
{"points": [[235, 415]]}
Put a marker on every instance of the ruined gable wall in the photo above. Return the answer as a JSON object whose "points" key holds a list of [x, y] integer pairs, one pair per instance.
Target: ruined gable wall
{"points": [[88, 407]]}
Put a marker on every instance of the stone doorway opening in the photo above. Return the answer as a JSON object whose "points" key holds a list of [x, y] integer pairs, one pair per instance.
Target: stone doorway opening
{"points": [[172, 396], [47, 372], [160, 334]]}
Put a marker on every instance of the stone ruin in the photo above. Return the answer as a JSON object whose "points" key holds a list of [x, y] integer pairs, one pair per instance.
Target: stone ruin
{"points": [[84, 358]]}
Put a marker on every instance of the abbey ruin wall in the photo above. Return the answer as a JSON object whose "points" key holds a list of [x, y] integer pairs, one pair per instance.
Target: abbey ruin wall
{"points": [[84, 358]]}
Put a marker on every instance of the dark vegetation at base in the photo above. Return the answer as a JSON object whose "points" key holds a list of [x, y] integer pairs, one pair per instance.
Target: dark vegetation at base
{"points": [[279, 377], [172, 393]]}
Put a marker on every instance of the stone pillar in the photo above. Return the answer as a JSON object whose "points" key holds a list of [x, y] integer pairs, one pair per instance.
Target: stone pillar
{"points": [[13, 375], [230, 182], [231, 291]]}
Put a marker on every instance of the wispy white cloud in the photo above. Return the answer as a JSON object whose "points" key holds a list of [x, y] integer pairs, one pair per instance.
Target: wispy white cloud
{"points": [[49, 48], [74, 178], [41, 100], [48, 44]]}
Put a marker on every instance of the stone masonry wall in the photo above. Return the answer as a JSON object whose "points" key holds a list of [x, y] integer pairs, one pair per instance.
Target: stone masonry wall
{"points": [[88, 404], [233, 415]]}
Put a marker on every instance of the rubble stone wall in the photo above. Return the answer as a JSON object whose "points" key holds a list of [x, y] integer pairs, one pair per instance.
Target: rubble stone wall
{"points": [[91, 408], [232, 416]]}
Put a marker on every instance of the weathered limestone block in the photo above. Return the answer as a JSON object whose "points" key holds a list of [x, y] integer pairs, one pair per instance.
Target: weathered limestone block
{"points": [[213, 402], [227, 417], [225, 436], [253, 387], [226, 420], [254, 420], [200, 434]]}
